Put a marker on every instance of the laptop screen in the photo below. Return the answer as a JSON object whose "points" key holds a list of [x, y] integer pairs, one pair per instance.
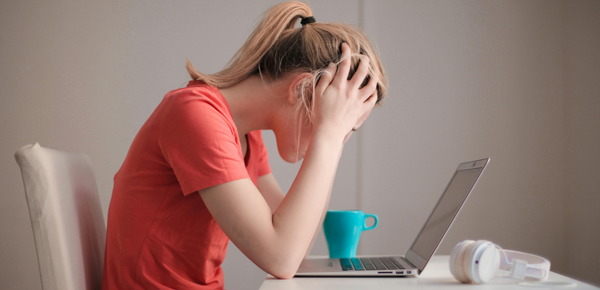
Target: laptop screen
{"points": [[444, 212]]}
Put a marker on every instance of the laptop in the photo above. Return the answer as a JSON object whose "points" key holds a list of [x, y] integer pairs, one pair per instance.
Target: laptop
{"points": [[414, 261]]}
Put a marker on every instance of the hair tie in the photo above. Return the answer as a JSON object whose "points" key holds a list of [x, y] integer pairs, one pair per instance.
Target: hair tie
{"points": [[307, 20]]}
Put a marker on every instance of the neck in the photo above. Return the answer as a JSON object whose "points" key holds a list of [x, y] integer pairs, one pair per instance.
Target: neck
{"points": [[252, 103]]}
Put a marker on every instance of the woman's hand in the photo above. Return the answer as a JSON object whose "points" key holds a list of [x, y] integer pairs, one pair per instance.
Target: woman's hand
{"points": [[340, 105]]}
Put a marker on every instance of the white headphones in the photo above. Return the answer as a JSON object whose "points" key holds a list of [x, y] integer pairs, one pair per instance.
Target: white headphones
{"points": [[482, 261]]}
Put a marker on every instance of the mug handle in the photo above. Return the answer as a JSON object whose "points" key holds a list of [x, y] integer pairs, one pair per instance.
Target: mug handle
{"points": [[374, 216]]}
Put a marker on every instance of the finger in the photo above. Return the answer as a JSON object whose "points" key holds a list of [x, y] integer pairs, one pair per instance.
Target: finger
{"points": [[360, 74], [344, 67], [326, 78], [368, 90], [370, 103]]}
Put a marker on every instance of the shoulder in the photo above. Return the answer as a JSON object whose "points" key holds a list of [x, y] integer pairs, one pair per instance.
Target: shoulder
{"points": [[197, 98], [197, 109], [197, 91]]}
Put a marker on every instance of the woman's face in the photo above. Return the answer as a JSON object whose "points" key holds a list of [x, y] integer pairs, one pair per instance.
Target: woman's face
{"points": [[293, 134]]}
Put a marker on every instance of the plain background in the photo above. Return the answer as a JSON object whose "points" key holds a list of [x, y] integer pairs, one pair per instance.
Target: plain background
{"points": [[516, 81]]}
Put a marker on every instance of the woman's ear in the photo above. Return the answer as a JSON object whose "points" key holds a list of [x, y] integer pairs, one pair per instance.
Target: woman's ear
{"points": [[301, 83]]}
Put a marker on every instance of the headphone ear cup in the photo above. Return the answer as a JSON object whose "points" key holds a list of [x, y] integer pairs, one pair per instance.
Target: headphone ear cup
{"points": [[482, 261], [467, 261], [457, 261], [453, 255], [487, 263]]}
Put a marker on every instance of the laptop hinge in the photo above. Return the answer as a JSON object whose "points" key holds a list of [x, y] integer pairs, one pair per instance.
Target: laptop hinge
{"points": [[411, 264]]}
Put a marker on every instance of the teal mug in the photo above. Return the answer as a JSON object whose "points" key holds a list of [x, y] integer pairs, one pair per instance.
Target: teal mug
{"points": [[342, 231]]}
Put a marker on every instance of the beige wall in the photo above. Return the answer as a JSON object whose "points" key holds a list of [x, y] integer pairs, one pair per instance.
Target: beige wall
{"points": [[512, 80], [582, 107], [470, 80]]}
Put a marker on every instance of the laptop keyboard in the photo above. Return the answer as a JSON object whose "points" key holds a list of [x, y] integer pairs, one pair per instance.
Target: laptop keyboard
{"points": [[361, 264]]}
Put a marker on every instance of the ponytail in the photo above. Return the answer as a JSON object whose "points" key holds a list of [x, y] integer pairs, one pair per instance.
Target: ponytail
{"points": [[275, 48], [276, 20]]}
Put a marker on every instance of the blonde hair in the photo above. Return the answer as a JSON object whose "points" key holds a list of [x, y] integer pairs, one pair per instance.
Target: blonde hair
{"points": [[275, 48]]}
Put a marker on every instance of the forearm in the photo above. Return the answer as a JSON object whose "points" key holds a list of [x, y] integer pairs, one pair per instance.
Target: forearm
{"points": [[298, 217], [324, 208], [316, 233]]}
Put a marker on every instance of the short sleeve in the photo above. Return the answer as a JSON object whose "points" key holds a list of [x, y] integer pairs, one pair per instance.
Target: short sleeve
{"points": [[199, 141]]}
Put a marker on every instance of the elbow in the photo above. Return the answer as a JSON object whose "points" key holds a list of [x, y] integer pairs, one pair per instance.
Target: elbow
{"points": [[281, 260], [286, 277], [283, 269], [282, 274]]}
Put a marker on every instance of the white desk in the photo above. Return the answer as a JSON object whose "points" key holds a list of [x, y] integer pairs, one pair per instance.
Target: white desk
{"points": [[435, 276]]}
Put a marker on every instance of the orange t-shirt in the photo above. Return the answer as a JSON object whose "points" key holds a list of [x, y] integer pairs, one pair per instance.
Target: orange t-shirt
{"points": [[160, 235]]}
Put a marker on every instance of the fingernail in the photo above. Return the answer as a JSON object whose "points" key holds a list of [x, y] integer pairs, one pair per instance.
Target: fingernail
{"points": [[331, 65]]}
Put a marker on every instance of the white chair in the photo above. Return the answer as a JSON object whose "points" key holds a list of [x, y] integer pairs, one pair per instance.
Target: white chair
{"points": [[66, 217]]}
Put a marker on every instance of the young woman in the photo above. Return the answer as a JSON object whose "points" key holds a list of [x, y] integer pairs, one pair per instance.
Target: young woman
{"points": [[197, 173]]}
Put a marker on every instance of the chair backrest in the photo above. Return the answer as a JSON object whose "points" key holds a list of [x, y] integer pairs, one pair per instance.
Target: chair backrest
{"points": [[66, 217]]}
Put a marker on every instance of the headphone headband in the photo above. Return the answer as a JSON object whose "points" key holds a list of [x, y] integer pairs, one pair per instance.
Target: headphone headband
{"points": [[535, 266]]}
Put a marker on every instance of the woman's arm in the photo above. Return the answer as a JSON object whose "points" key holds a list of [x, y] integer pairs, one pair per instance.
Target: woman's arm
{"points": [[326, 206], [277, 242], [270, 190]]}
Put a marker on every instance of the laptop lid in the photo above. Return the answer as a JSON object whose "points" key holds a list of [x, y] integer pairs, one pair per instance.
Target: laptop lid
{"points": [[444, 212]]}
